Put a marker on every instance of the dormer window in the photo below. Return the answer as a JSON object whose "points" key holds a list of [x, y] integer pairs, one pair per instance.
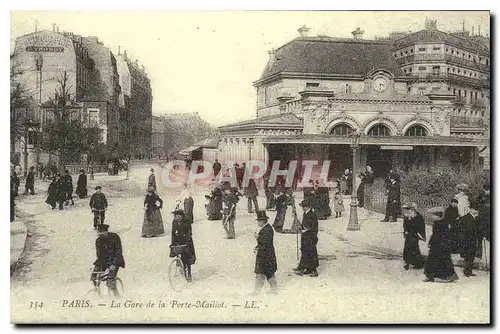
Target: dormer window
{"points": [[312, 84]]}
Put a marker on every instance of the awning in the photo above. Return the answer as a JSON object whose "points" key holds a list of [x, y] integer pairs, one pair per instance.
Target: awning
{"points": [[387, 141], [189, 150]]}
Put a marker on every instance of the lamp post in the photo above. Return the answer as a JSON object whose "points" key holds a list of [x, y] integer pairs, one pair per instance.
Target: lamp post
{"points": [[353, 214]]}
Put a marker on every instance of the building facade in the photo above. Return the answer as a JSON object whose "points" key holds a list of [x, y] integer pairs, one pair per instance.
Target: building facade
{"points": [[315, 93], [158, 137]]}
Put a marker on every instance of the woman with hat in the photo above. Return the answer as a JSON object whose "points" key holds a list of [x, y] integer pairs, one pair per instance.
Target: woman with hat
{"points": [[308, 241], [414, 231], [52, 194], [183, 235], [81, 184], [439, 264], [153, 222], [265, 256], [463, 199]]}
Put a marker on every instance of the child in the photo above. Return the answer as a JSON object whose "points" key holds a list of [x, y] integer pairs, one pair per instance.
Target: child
{"points": [[338, 203]]}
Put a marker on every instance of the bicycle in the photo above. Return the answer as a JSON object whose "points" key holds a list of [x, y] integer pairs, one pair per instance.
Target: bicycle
{"points": [[99, 217], [102, 276], [176, 273]]}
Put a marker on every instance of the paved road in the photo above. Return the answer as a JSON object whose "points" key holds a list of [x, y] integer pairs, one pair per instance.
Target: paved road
{"points": [[355, 284]]}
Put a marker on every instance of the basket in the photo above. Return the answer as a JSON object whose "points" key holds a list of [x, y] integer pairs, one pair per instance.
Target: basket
{"points": [[177, 249]]}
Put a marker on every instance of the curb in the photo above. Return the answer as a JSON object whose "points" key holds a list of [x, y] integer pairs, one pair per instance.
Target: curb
{"points": [[26, 219]]}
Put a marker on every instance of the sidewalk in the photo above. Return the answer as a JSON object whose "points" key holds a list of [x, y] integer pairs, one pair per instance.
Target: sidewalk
{"points": [[384, 236]]}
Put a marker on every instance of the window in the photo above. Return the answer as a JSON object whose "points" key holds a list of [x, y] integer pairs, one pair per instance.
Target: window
{"points": [[436, 48], [469, 56], [422, 68], [448, 69], [459, 92], [475, 94], [401, 53], [348, 89], [341, 130], [421, 49], [453, 69], [379, 130], [452, 51], [395, 55], [312, 84], [454, 91], [93, 116], [435, 89], [487, 61], [411, 51], [416, 131], [446, 50]]}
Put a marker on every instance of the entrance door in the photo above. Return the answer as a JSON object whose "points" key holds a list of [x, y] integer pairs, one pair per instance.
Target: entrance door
{"points": [[379, 160], [340, 157]]}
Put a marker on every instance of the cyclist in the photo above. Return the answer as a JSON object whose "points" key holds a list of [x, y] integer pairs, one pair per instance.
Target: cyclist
{"points": [[182, 235], [98, 203], [109, 256]]}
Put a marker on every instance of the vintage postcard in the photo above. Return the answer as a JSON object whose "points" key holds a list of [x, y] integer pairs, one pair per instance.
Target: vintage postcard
{"points": [[250, 167]]}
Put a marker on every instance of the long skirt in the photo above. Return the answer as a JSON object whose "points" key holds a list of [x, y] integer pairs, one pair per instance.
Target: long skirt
{"points": [[411, 252], [51, 200], [309, 253], [153, 223], [439, 264], [214, 209], [279, 221], [189, 255], [81, 191]]}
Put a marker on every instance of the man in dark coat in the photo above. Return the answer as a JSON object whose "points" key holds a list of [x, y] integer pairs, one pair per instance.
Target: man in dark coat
{"points": [[152, 179], [16, 182], [98, 204], [470, 241], [52, 194], [229, 200], [414, 232], [484, 208], [67, 183], [265, 256], [281, 206], [393, 200], [30, 182], [309, 261], [252, 193], [81, 184], [109, 256], [182, 234], [216, 167]]}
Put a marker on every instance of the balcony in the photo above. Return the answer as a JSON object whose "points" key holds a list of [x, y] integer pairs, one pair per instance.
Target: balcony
{"points": [[293, 106], [455, 78], [463, 121], [461, 100], [478, 104], [467, 63]]}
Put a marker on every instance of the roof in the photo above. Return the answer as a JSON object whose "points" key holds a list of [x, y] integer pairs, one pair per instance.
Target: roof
{"points": [[281, 121], [208, 143], [187, 151], [327, 55], [437, 36]]}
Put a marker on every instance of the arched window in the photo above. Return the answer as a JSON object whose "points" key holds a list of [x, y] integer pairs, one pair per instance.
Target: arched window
{"points": [[341, 130], [379, 130], [416, 131]]}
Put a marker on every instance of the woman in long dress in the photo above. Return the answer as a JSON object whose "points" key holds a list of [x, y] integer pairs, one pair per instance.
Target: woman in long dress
{"points": [[414, 232], [439, 264], [366, 178], [81, 184], [153, 222], [214, 206], [52, 194]]}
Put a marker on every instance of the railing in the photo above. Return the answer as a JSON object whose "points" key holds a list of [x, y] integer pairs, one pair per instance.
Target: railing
{"points": [[466, 63], [477, 83], [466, 121], [478, 103], [460, 100], [293, 106]]}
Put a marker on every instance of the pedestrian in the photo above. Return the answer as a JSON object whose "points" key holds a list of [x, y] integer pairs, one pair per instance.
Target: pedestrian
{"points": [[68, 187], [367, 178], [216, 167], [439, 264], [281, 206], [239, 175], [470, 240], [214, 206], [18, 169], [252, 193], [338, 203], [182, 234], [186, 202], [463, 199], [152, 225], [229, 200], [484, 208], [414, 232], [52, 194], [81, 184], [16, 182], [98, 204], [61, 191], [30, 182], [344, 182], [318, 201], [109, 257], [309, 261], [270, 198], [265, 256], [152, 179], [392, 208]]}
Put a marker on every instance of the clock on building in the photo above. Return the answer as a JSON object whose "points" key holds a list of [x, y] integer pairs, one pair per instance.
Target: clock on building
{"points": [[380, 84]]}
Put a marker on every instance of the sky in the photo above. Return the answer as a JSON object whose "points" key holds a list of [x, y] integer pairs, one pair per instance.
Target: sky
{"points": [[207, 61]]}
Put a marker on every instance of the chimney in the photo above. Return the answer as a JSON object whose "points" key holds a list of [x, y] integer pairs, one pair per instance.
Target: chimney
{"points": [[472, 30], [430, 24], [125, 54], [53, 27], [304, 31], [358, 33]]}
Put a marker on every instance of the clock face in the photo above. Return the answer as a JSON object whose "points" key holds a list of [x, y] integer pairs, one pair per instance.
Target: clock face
{"points": [[380, 84]]}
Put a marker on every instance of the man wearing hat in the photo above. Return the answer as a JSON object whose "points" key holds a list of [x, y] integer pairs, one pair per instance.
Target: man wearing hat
{"points": [[182, 234], [265, 259], [109, 256], [229, 200], [470, 239], [152, 179], [81, 184], [98, 203], [308, 241]]}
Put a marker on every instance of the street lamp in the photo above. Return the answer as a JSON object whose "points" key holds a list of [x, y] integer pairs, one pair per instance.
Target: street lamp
{"points": [[353, 214]]}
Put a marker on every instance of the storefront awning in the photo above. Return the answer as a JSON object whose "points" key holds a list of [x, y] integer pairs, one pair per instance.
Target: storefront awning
{"points": [[189, 150], [386, 141]]}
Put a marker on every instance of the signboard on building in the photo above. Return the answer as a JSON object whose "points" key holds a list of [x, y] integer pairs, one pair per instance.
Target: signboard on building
{"points": [[44, 49]]}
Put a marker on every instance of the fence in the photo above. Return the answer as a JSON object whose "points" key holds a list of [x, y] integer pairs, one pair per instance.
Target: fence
{"points": [[376, 199]]}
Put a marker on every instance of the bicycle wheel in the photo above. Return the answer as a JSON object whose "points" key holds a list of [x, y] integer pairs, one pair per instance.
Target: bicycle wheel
{"points": [[119, 286], [176, 275]]}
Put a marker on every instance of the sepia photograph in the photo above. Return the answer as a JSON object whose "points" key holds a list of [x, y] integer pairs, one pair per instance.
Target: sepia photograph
{"points": [[250, 167]]}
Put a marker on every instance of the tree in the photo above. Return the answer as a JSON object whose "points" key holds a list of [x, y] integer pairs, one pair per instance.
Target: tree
{"points": [[65, 132]]}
